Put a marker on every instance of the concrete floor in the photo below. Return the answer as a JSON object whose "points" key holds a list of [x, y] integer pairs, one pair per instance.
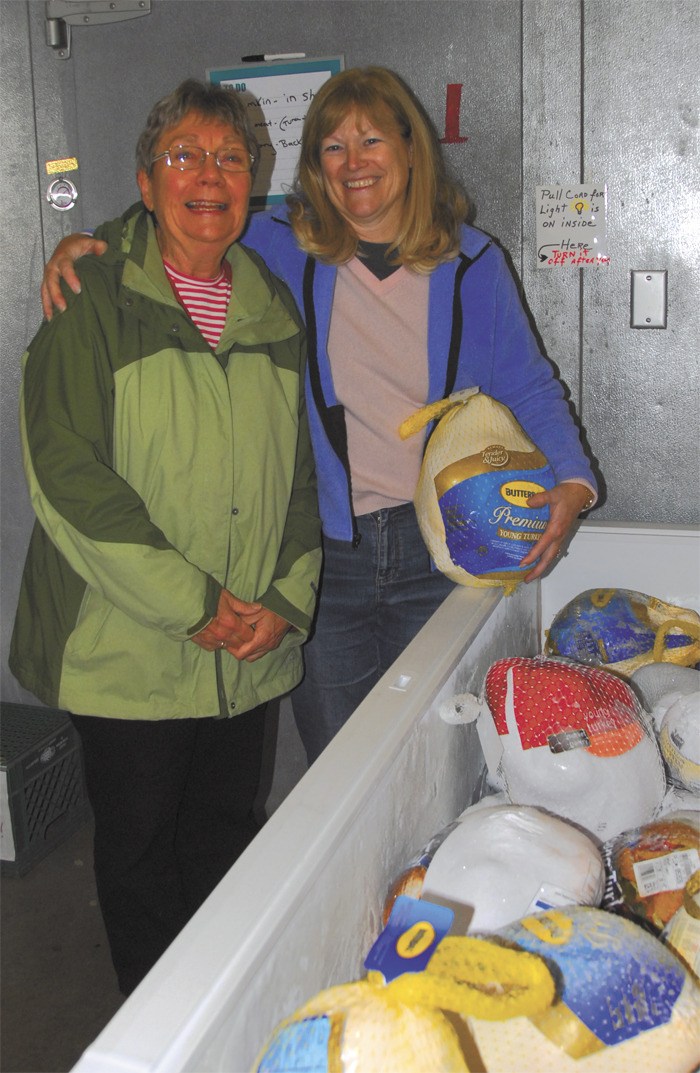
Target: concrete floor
{"points": [[58, 988]]}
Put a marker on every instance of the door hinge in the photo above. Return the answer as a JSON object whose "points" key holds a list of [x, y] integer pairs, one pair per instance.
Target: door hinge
{"points": [[62, 14]]}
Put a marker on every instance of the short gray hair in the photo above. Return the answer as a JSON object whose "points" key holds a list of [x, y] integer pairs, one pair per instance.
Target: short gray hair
{"points": [[215, 102]]}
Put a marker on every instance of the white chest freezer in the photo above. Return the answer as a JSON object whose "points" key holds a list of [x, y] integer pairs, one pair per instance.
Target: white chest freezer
{"points": [[301, 908]]}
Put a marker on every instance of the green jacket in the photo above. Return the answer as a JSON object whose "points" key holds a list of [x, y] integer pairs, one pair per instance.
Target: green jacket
{"points": [[160, 472]]}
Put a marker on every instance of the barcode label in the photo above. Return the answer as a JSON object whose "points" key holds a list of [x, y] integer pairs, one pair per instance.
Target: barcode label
{"points": [[666, 873]]}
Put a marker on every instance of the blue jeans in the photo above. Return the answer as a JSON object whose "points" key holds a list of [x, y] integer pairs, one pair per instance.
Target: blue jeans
{"points": [[373, 600]]}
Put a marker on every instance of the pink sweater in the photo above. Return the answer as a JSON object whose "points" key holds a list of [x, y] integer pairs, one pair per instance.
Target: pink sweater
{"points": [[378, 349]]}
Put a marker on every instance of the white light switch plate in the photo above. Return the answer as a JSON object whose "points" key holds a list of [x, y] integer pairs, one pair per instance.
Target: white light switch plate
{"points": [[648, 299]]}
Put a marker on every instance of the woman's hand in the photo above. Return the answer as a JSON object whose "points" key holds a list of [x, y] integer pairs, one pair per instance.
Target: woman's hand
{"points": [[60, 265], [565, 502], [228, 627], [246, 630], [269, 629]]}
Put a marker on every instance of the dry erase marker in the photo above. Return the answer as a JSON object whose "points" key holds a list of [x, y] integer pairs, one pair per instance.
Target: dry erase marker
{"points": [[267, 56]]}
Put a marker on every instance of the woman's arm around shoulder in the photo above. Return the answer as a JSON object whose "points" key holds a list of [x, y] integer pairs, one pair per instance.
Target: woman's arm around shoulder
{"points": [[61, 264]]}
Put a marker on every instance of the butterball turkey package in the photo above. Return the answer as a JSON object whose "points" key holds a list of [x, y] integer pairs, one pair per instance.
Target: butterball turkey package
{"points": [[624, 630], [478, 474]]}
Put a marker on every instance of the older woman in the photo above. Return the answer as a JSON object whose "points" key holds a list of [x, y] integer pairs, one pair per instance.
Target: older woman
{"points": [[403, 304], [171, 576]]}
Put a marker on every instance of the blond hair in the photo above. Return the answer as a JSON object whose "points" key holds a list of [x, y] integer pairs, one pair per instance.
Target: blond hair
{"points": [[435, 205]]}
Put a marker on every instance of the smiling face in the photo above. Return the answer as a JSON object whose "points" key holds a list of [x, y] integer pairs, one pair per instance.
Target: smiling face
{"points": [[366, 170], [199, 213]]}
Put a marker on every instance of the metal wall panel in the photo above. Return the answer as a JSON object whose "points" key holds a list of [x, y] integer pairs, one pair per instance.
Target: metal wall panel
{"points": [[640, 129], [20, 311], [552, 80], [610, 94], [118, 70]]}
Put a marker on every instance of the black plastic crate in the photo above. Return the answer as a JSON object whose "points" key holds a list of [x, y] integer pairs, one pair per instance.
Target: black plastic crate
{"points": [[42, 784]]}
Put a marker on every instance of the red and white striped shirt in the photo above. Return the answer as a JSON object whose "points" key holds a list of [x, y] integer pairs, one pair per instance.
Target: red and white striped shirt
{"points": [[206, 300]]}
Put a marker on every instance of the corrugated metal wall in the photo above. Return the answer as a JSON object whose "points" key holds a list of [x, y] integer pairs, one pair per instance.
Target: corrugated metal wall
{"points": [[554, 90], [610, 94]]}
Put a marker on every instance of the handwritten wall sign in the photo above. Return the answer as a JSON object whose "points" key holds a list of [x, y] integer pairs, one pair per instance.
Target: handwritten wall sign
{"points": [[278, 96], [571, 225]]}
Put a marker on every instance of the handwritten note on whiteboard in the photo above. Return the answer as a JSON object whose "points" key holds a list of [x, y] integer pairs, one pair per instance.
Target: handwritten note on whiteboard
{"points": [[278, 96]]}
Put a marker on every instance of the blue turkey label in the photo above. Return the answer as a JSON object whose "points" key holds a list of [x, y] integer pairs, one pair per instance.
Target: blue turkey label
{"points": [[489, 527], [618, 980], [608, 626], [300, 1047], [410, 937]]}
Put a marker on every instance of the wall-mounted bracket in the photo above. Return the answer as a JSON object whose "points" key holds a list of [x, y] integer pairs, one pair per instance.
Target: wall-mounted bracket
{"points": [[62, 14]]}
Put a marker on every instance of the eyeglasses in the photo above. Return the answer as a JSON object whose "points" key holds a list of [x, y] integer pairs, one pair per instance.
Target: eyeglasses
{"points": [[191, 157]]}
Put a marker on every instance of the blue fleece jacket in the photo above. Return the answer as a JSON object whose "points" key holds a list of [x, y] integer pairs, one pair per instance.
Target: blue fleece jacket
{"points": [[478, 336]]}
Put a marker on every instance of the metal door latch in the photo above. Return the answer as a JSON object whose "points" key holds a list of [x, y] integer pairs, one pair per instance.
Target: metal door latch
{"points": [[62, 14], [62, 194]]}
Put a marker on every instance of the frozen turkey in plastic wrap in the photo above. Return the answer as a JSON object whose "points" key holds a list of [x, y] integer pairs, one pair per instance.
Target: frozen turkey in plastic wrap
{"points": [[567, 991], [648, 867], [625, 1003], [572, 740], [479, 472], [623, 630], [655, 681], [506, 861], [679, 738], [406, 1016], [672, 696], [682, 933], [498, 861], [410, 879]]}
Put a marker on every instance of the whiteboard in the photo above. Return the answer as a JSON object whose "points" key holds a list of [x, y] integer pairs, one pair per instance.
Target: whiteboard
{"points": [[278, 96]]}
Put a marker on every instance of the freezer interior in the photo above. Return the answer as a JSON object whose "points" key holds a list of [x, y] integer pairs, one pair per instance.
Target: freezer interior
{"points": [[302, 906]]}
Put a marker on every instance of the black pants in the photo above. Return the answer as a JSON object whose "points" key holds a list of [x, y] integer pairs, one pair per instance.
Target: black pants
{"points": [[173, 805]]}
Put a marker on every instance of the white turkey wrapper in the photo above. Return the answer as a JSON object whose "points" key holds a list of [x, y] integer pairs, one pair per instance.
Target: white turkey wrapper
{"points": [[603, 795], [656, 680], [505, 861], [679, 739]]}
